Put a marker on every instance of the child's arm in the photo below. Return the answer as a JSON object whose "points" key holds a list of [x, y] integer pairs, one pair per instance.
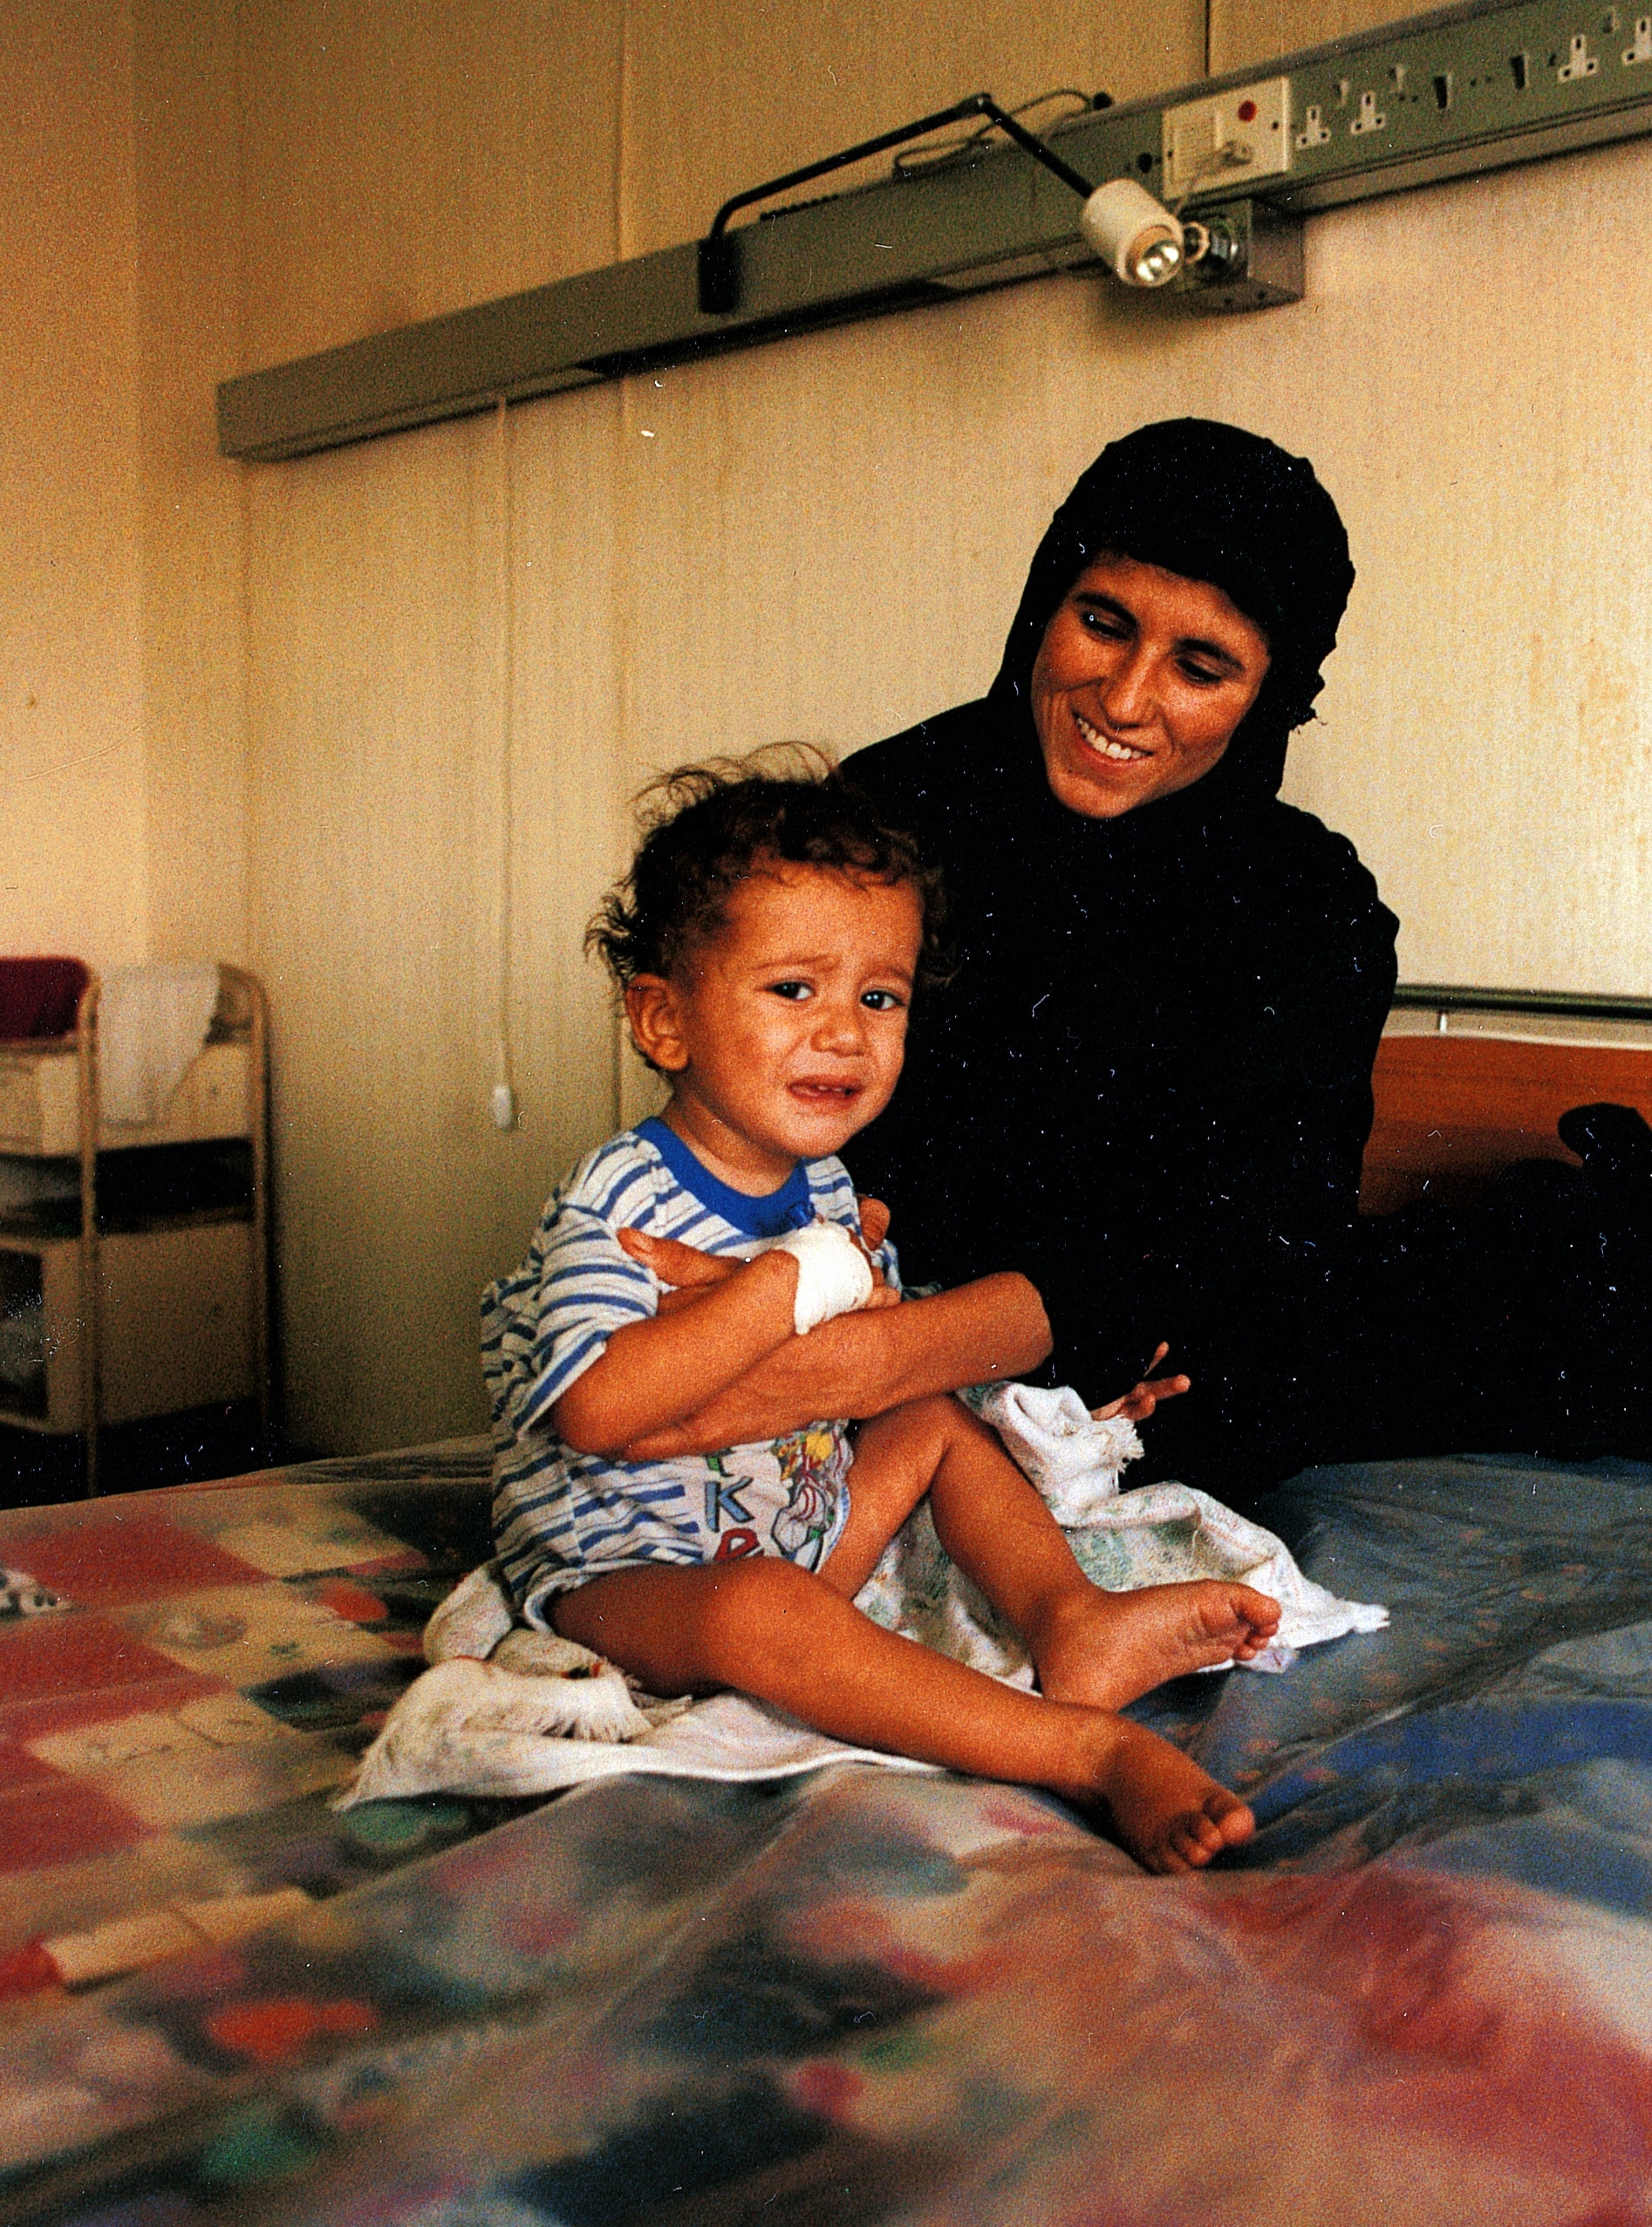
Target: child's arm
{"points": [[652, 1374], [859, 1365]]}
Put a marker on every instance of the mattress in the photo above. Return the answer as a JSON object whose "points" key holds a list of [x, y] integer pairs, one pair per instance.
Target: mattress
{"points": [[1424, 1992]]}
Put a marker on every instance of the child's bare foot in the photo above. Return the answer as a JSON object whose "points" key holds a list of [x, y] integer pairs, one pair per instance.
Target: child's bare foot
{"points": [[1106, 1649], [1169, 1813]]}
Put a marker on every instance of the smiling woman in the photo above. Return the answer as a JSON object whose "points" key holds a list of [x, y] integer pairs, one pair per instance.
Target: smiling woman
{"points": [[1139, 685], [1148, 1088]]}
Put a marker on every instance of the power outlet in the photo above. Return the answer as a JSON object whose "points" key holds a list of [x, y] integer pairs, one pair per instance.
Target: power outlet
{"points": [[1227, 138]]}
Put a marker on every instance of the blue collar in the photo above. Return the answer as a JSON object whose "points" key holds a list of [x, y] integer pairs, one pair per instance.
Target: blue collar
{"points": [[790, 1207]]}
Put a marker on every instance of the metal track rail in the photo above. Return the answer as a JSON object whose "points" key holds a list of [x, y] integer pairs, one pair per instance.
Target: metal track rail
{"points": [[1448, 95]]}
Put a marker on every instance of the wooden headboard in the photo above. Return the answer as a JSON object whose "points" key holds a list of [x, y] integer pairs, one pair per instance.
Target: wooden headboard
{"points": [[1455, 1104]]}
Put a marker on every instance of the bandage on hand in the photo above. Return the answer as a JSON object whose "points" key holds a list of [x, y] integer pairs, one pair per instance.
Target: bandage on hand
{"points": [[834, 1276]]}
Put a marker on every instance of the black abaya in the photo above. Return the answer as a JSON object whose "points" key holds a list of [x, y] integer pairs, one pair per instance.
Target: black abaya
{"points": [[1148, 1086]]}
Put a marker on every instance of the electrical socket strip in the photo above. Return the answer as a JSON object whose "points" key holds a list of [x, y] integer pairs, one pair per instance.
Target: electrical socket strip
{"points": [[1405, 106]]}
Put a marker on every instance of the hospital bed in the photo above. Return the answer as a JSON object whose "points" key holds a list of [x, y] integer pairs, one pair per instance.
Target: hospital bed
{"points": [[1420, 1994]]}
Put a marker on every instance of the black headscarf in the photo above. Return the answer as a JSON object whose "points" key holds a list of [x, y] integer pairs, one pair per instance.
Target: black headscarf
{"points": [[1212, 503]]}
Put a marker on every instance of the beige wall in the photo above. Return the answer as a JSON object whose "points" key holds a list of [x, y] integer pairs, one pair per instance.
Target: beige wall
{"points": [[72, 824], [1243, 31], [193, 702], [1487, 732], [122, 732], [345, 678], [405, 157], [720, 94], [433, 618]]}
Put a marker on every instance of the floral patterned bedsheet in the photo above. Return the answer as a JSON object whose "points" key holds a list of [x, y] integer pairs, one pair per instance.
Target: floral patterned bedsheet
{"points": [[1423, 1993]]}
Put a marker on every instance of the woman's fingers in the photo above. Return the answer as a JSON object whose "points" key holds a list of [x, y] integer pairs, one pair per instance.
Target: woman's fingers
{"points": [[693, 1272], [1140, 1401], [874, 1222], [1137, 1405], [674, 1263]]}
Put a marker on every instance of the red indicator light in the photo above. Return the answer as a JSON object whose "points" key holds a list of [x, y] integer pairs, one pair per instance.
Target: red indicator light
{"points": [[1246, 111]]}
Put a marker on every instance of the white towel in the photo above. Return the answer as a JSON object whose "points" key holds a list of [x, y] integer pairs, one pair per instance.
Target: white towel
{"points": [[1158, 1534], [483, 1728], [470, 1728], [152, 1021], [1073, 1460]]}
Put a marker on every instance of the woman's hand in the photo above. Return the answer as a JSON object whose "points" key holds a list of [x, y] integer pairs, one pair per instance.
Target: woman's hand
{"points": [[690, 1273], [1139, 1402]]}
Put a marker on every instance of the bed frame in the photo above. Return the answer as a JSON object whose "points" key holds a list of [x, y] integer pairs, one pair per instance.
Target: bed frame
{"points": [[1467, 1081]]}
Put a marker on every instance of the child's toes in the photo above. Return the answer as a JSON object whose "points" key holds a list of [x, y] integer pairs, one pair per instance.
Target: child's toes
{"points": [[1259, 1610], [1229, 1819], [1202, 1834], [1185, 1849]]}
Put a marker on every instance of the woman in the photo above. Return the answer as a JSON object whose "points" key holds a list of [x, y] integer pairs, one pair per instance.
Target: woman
{"points": [[1149, 1088]]}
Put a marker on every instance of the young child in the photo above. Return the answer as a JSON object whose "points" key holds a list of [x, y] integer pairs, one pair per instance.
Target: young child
{"points": [[767, 943]]}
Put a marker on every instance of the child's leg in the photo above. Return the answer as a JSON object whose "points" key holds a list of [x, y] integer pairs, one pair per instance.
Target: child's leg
{"points": [[1088, 1645], [782, 1634]]}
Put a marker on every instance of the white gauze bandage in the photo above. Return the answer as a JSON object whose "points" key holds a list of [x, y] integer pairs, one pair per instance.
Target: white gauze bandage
{"points": [[834, 1276]]}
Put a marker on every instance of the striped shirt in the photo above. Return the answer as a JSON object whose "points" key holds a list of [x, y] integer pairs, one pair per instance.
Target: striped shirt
{"points": [[561, 1516]]}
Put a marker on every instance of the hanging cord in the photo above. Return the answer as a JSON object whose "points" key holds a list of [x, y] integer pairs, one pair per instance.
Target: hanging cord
{"points": [[960, 150], [625, 511], [721, 252], [503, 1100]]}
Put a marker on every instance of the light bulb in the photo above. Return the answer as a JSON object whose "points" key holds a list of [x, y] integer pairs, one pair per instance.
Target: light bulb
{"points": [[1134, 236], [1157, 262]]}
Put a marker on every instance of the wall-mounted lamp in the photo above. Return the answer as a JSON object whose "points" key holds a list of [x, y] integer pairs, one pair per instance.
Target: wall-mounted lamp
{"points": [[1138, 239]]}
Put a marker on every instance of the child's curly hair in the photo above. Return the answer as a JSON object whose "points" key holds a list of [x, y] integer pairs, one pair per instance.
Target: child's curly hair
{"points": [[708, 828]]}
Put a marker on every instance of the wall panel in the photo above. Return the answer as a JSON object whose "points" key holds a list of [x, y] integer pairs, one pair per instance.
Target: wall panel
{"points": [[189, 548], [1487, 735], [569, 838], [378, 734], [365, 693], [842, 521], [406, 157], [72, 838]]}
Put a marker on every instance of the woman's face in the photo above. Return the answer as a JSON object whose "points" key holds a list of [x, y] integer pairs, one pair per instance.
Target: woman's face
{"points": [[1140, 681]]}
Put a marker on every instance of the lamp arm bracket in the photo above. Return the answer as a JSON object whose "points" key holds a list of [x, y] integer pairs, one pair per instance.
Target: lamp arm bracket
{"points": [[720, 250]]}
